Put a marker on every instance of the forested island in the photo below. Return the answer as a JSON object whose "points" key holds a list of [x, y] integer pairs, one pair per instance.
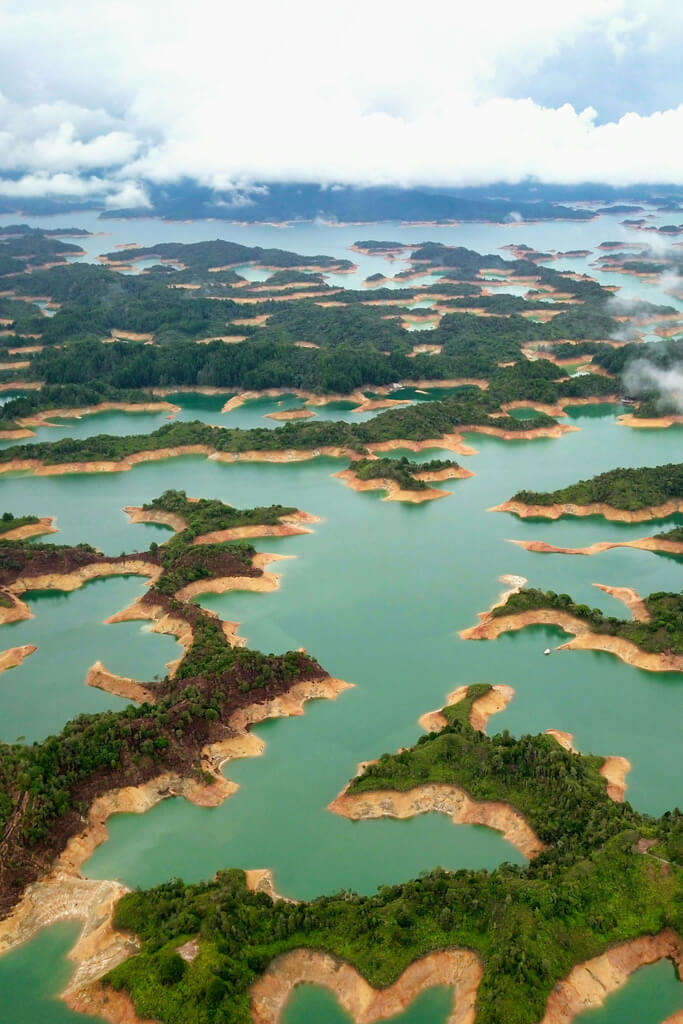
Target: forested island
{"points": [[606, 874], [628, 490], [416, 424], [47, 788], [658, 631], [192, 321]]}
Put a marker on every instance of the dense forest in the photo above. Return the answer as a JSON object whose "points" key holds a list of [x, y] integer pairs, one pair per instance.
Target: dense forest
{"points": [[402, 470], [626, 489], [426, 421], [589, 889]]}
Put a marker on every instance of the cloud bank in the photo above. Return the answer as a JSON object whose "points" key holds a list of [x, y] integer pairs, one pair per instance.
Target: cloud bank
{"points": [[387, 93]]}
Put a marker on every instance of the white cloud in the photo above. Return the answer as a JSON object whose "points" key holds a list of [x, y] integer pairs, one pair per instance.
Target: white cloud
{"points": [[378, 93]]}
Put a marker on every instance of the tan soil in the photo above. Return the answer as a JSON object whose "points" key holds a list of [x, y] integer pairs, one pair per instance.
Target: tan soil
{"points": [[42, 419], [589, 984], [289, 526], [23, 385], [228, 339], [15, 435], [310, 397], [136, 514], [595, 508], [19, 365], [370, 404], [120, 686], [629, 420], [396, 493], [490, 628], [424, 349], [644, 544], [102, 466], [615, 769], [15, 655], [43, 526], [565, 739], [444, 799], [490, 704], [458, 968], [64, 895], [630, 598], [265, 583], [290, 414], [76, 578], [132, 335]]}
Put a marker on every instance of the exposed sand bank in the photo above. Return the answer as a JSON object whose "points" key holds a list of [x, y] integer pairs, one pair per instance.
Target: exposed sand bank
{"points": [[289, 525], [290, 414], [120, 686], [74, 579], [490, 627], [671, 547], [481, 710], [589, 984], [43, 526], [137, 514], [565, 739], [64, 895], [594, 508], [42, 419], [394, 490], [443, 798], [265, 583], [310, 397], [15, 655], [630, 598], [615, 769], [458, 968], [629, 420]]}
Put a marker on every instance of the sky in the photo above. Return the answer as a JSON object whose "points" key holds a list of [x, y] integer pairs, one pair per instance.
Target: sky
{"points": [[101, 98]]}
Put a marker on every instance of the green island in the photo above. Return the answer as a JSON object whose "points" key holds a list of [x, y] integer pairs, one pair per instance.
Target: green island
{"points": [[662, 633], [46, 788], [404, 471], [8, 522], [625, 489], [607, 874], [354, 337], [427, 421]]}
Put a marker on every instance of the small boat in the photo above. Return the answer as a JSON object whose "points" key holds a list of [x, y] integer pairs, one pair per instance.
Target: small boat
{"points": [[547, 650]]}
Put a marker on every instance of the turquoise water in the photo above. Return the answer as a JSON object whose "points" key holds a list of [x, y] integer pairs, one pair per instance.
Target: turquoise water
{"points": [[310, 1003], [378, 593]]}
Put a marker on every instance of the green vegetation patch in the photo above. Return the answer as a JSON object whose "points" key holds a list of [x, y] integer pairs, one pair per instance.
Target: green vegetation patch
{"points": [[625, 489], [663, 634]]}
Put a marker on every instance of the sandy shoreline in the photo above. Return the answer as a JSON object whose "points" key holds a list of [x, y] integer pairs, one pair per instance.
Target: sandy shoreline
{"points": [[490, 627], [396, 493], [443, 798], [671, 547], [43, 526], [119, 686], [15, 655], [450, 442], [630, 598], [658, 422], [64, 895], [459, 968], [498, 698], [595, 508], [42, 419], [288, 526], [589, 984]]}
